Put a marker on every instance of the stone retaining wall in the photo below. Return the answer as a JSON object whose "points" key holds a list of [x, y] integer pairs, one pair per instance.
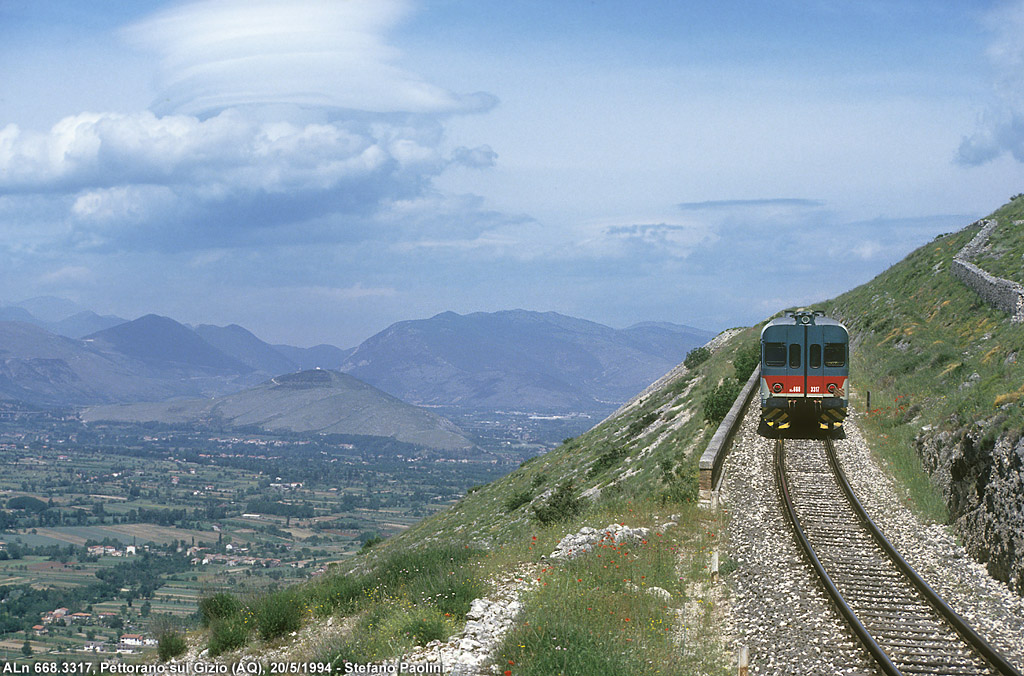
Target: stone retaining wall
{"points": [[1000, 293]]}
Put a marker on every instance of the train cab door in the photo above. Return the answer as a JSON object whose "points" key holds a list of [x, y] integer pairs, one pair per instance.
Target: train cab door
{"points": [[795, 378], [814, 372]]}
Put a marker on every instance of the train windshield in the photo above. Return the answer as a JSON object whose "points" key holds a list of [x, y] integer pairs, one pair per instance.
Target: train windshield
{"points": [[814, 356], [774, 354], [835, 354], [794, 356]]}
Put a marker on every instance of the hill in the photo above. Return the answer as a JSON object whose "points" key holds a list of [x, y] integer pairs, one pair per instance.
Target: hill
{"points": [[518, 360], [310, 401], [45, 369], [241, 344], [163, 343], [946, 383]]}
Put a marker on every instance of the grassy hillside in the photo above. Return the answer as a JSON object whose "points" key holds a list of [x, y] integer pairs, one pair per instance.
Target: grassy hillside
{"points": [[935, 359], [1002, 256], [591, 615]]}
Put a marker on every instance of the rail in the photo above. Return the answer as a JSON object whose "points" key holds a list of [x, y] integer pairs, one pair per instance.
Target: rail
{"points": [[955, 625]]}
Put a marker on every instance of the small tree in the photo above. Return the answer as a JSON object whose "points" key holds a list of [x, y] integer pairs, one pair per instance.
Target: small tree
{"points": [[719, 400], [747, 359], [696, 357], [561, 506], [26, 648]]}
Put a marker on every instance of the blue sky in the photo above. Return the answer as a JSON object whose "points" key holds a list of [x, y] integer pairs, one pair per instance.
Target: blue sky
{"points": [[316, 170]]}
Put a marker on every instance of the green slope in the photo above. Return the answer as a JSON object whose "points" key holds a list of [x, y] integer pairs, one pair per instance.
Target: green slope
{"points": [[946, 383], [592, 615]]}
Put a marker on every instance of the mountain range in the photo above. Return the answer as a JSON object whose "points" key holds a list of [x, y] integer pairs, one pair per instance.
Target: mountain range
{"points": [[519, 360], [503, 361]]}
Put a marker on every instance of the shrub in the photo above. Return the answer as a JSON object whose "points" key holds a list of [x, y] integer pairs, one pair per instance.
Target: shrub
{"points": [[370, 540], [278, 614], [170, 644], [718, 402], [612, 457], [641, 423], [229, 633], [217, 607], [747, 359], [561, 506], [681, 483], [696, 357], [332, 593], [516, 500], [426, 625]]}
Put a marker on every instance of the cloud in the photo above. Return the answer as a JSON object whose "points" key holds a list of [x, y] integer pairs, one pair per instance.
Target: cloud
{"points": [[69, 274], [661, 239], [1001, 127], [280, 122], [323, 54], [476, 158], [139, 180], [715, 205]]}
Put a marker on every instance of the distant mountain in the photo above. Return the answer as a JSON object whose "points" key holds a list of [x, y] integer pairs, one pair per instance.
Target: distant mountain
{"points": [[316, 357], [519, 360], [310, 401], [672, 341], [242, 345], [17, 314], [72, 326], [151, 358], [83, 323], [50, 308], [162, 342], [43, 368]]}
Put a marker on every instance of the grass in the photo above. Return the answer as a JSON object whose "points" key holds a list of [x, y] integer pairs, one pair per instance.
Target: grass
{"points": [[409, 595], [592, 615], [935, 358], [597, 614]]}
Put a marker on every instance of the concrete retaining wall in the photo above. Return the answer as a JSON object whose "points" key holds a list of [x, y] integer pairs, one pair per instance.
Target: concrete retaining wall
{"points": [[710, 475]]}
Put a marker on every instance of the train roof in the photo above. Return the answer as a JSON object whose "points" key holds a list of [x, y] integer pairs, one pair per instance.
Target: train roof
{"points": [[803, 319]]}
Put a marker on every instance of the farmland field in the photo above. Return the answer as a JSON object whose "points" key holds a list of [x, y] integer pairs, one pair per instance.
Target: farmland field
{"points": [[128, 526]]}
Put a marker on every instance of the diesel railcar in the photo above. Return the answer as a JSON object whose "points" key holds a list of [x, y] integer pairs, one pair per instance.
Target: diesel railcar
{"points": [[805, 359]]}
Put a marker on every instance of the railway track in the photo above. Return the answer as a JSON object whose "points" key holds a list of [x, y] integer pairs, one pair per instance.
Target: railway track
{"points": [[902, 623]]}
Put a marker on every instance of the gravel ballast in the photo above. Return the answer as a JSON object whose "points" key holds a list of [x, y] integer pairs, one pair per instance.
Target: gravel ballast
{"points": [[783, 615]]}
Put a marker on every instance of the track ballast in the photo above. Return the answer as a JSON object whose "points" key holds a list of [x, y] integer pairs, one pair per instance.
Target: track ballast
{"points": [[906, 627]]}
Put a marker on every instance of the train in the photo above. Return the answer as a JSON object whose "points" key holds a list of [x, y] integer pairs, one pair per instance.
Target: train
{"points": [[805, 368]]}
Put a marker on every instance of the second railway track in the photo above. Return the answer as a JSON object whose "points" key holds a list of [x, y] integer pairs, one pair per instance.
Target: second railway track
{"points": [[905, 626]]}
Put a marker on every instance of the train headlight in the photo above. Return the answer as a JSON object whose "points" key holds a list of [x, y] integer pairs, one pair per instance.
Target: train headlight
{"points": [[776, 388], [832, 388]]}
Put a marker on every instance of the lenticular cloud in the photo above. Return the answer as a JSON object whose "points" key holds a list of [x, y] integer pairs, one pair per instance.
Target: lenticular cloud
{"points": [[312, 53]]}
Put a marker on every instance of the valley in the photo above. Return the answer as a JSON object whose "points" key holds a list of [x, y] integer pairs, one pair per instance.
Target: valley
{"points": [[127, 525]]}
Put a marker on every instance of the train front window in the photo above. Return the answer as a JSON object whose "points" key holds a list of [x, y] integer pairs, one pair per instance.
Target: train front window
{"points": [[774, 354], [814, 356], [794, 356], [835, 354]]}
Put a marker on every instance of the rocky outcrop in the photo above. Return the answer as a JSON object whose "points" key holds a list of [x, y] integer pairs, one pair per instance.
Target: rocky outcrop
{"points": [[982, 480], [488, 620], [1000, 293], [584, 541]]}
